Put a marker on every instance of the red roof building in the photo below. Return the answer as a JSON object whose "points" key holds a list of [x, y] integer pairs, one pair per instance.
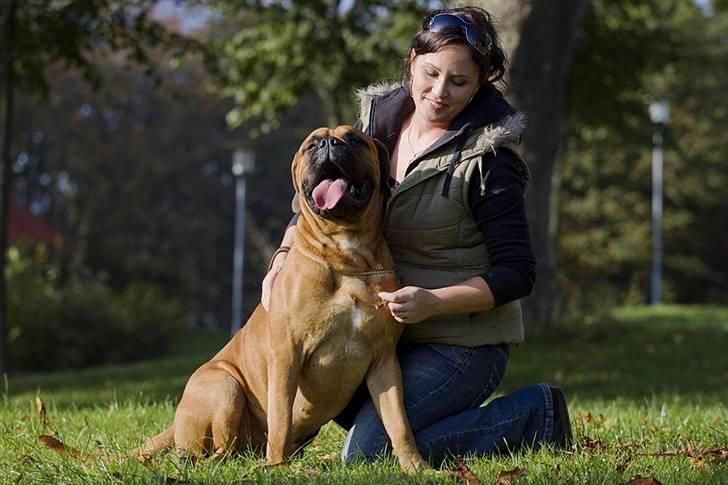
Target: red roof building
{"points": [[23, 225]]}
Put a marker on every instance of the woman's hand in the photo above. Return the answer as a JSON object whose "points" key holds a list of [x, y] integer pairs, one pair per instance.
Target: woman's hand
{"points": [[275, 268], [276, 264], [411, 304]]}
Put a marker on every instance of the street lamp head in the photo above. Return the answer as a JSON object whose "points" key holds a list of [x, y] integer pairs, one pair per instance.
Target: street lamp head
{"points": [[243, 161], [660, 111]]}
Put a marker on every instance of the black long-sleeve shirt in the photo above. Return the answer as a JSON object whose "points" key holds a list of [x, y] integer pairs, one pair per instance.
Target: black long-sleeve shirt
{"points": [[500, 214]]}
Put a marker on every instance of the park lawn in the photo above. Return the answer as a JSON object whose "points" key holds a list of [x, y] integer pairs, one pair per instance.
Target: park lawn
{"points": [[648, 394]]}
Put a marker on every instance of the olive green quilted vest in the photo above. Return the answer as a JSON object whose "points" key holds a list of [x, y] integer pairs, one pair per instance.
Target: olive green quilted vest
{"points": [[435, 242]]}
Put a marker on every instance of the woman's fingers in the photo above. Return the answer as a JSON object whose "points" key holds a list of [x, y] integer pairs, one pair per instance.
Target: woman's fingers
{"points": [[399, 296], [267, 286]]}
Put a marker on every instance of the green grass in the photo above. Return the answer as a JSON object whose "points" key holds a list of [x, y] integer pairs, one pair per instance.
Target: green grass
{"points": [[640, 383]]}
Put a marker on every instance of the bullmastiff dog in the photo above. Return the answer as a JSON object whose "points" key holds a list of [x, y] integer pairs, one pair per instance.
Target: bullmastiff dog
{"points": [[293, 368]]}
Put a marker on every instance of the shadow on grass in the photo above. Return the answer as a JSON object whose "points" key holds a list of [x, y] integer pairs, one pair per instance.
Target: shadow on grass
{"points": [[636, 353], [141, 382]]}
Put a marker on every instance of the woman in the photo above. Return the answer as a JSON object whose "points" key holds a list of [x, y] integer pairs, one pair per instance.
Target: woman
{"points": [[457, 229]]}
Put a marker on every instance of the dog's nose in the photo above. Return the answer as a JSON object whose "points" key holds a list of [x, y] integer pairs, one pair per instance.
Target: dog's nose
{"points": [[329, 142]]}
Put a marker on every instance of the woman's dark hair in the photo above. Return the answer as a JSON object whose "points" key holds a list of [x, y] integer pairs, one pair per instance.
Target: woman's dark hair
{"points": [[492, 66]]}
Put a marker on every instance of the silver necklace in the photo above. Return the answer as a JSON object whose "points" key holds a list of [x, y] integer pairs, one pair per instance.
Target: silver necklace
{"points": [[409, 142]]}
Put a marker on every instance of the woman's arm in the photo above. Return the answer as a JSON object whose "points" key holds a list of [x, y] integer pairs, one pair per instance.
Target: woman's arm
{"points": [[412, 304], [500, 213], [277, 263]]}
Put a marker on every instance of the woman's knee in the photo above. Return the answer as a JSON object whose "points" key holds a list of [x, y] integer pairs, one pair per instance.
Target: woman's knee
{"points": [[364, 442]]}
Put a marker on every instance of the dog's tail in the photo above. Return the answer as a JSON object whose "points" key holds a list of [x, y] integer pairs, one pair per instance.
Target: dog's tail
{"points": [[62, 449], [160, 442], [155, 444]]}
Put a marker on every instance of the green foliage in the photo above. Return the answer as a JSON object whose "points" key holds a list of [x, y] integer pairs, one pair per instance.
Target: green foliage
{"points": [[283, 52], [135, 176], [76, 320], [633, 52], [78, 34]]}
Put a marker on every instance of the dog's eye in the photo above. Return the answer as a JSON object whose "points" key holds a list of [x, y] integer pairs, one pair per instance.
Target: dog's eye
{"points": [[355, 140]]}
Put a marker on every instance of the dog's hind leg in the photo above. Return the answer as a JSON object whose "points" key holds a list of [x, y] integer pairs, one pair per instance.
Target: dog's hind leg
{"points": [[226, 422], [211, 401]]}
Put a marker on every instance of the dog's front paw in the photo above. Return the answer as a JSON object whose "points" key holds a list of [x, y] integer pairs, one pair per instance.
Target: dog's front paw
{"points": [[413, 464], [269, 465]]}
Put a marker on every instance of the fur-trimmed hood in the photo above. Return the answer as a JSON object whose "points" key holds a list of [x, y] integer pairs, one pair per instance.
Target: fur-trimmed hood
{"points": [[374, 90], [385, 106]]}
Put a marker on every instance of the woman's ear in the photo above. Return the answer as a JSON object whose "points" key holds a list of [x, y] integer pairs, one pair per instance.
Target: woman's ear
{"points": [[411, 68]]}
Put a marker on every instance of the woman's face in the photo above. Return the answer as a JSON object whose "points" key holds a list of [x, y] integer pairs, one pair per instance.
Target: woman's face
{"points": [[443, 82]]}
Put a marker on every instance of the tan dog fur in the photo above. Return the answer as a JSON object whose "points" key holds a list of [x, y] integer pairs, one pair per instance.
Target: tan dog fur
{"points": [[290, 370]]}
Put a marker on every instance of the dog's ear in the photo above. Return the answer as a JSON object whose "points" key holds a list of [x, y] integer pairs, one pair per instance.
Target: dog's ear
{"points": [[384, 167], [294, 169], [295, 205]]}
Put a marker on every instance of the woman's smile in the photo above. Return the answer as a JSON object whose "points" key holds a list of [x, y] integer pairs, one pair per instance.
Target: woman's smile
{"points": [[443, 82]]}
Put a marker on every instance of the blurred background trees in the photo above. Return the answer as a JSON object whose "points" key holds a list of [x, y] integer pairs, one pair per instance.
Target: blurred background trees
{"points": [[278, 53], [632, 53], [124, 127], [40, 35]]}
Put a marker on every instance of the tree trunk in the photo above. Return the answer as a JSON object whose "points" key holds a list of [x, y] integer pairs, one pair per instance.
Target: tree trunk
{"points": [[5, 172], [507, 17], [540, 66]]}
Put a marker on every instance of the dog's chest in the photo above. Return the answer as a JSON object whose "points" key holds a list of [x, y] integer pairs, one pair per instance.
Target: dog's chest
{"points": [[356, 310], [354, 324], [344, 338]]}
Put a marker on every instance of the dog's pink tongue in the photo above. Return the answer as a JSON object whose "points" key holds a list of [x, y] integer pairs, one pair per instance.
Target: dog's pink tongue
{"points": [[329, 192]]}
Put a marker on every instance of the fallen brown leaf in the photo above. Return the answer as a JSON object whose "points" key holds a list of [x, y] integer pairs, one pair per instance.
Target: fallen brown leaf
{"points": [[463, 473], [57, 446], [696, 456], [511, 477], [639, 480], [42, 414], [590, 445]]}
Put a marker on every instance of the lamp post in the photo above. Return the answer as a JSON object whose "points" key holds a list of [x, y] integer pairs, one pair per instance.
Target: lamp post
{"points": [[660, 116], [243, 164]]}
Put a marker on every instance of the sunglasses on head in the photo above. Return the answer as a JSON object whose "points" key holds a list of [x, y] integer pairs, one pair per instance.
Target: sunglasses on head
{"points": [[480, 40]]}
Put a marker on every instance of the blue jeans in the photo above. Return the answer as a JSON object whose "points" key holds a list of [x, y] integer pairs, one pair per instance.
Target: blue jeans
{"points": [[444, 386]]}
